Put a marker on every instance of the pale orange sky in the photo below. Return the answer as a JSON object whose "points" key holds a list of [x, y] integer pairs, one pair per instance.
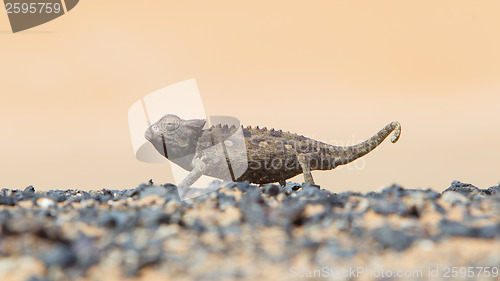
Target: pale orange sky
{"points": [[337, 71]]}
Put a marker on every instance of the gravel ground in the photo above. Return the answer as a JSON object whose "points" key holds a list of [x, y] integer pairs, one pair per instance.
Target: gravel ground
{"points": [[247, 232]]}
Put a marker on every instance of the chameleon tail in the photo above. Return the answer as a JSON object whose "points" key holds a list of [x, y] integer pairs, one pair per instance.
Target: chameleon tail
{"points": [[347, 154]]}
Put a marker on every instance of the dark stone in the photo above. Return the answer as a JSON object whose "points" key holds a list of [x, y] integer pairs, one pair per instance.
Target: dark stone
{"points": [[58, 195], [223, 199], [37, 278], [9, 201], [489, 231], [242, 186], [5, 216], [295, 186], [146, 189], [467, 189], [387, 207], [86, 253], [310, 192], [293, 213], [150, 218], [335, 201], [137, 191], [170, 187], [119, 221], [453, 228], [198, 226], [109, 221], [276, 133], [438, 208], [413, 211], [287, 190], [390, 238], [107, 192], [60, 255], [151, 255], [308, 243], [343, 197], [432, 195], [253, 207], [5, 192], [356, 231], [335, 249], [271, 189], [494, 189], [394, 190], [102, 198], [28, 193], [17, 195], [88, 215]]}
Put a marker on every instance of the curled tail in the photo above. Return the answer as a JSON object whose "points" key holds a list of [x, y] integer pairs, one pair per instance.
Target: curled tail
{"points": [[346, 154]]}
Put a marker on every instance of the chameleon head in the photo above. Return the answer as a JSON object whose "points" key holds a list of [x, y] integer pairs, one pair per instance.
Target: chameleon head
{"points": [[174, 135]]}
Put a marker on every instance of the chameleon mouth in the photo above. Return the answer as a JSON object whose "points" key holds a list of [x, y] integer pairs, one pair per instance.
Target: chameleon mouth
{"points": [[174, 141], [148, 135]]}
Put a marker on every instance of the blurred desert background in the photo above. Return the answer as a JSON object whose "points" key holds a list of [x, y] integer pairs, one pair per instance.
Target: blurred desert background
{"points": [[337, 71]]}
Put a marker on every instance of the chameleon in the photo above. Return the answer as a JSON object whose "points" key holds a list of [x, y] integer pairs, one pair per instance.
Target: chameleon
{"points": [[266, 155]]}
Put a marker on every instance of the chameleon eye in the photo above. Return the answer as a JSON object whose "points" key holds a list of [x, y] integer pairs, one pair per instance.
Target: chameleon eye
{"points": [[155, 128], [172, 123]]}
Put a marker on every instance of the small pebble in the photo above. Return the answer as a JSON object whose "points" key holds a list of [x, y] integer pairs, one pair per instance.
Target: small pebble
{"points": [[45, 203]]}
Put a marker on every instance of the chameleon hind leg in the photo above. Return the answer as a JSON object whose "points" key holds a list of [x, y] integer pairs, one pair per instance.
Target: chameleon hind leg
{"points": [[305, 163]]}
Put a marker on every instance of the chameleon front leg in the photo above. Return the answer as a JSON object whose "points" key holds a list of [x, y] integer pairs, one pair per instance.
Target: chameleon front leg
{"points": [[305, 162], [199, 168]]}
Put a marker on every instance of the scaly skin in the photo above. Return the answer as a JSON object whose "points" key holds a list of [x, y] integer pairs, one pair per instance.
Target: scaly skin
{"points": [[271, 156]]}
